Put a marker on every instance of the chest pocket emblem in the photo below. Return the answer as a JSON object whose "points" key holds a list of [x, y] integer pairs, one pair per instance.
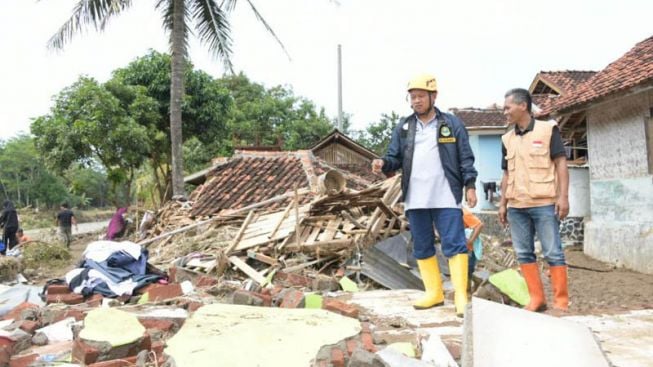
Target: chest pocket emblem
{"points": [[445, 135]]}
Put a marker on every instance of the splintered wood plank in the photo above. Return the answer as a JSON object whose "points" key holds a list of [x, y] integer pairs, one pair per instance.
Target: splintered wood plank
{"points": [[283, 217], [314, 233], [240, 233], [251, 272], [388, 230], [331, 229], [261, 257]]}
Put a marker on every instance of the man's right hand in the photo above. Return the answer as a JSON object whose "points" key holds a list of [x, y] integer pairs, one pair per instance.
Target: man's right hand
{"points": [[377, 165], [503, 210]]}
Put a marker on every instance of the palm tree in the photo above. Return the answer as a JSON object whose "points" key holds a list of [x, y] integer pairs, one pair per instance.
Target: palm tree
{"points": [[209, 18]]}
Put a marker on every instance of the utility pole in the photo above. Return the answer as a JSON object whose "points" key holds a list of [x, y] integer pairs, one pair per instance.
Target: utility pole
{"points": [[340, 122]]}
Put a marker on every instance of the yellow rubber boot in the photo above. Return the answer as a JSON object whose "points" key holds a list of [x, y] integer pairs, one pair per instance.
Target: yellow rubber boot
{"points": [[458, 266], [430, 272]]}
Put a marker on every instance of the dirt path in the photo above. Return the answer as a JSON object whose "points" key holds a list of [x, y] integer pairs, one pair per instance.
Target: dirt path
{"points": [[83, 229], [596, 287]]}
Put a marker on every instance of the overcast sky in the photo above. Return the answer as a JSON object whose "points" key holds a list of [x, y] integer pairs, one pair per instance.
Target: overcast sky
{"points": [[476, 49]]}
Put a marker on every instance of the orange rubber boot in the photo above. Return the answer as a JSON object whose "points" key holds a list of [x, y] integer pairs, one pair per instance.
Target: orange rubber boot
{"points": [[535, 289], [559, 285]]}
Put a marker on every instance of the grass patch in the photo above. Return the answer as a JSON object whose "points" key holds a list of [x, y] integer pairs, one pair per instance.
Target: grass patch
{"points": [[41, 254]]}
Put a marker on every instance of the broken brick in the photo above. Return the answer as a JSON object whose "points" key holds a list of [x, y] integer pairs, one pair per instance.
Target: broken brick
{"points": [[147, 288], [19, 312], [6, 350], [292, 299], [243, 297], [368, 342], [159, 324], [23, 360], [94, 301], [58, 289], [193, 306], [69, 299], [293, 280], [206, 281], [84, 353], [164, 292], [29, 326], [352, 345], [340, 307], [172, 274], [337, 357]]}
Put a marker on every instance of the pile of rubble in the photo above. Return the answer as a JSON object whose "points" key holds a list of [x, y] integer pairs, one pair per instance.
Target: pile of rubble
{"points": [[320, 235]]}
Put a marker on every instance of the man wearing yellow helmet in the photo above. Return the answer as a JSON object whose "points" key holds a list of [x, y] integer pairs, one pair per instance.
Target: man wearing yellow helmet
{"points": [[432, 150]]}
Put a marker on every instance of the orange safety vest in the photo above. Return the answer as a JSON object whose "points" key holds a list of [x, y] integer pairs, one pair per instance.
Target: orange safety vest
{"points": [[532, 179]]}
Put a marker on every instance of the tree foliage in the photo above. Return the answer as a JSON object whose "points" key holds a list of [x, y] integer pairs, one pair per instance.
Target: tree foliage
{"points": [[264, 117], [377, 135], [25, 179], [89, 124]]}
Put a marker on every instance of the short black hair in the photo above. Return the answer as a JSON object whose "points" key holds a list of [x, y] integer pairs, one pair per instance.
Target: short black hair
{"points": [[521, 95], [64, 205]]}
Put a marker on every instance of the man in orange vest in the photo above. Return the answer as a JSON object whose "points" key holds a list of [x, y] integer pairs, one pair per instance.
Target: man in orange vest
{"points": [[534, 198]]}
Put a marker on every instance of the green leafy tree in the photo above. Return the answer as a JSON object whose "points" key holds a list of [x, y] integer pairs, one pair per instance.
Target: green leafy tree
{"points": [[205, 109], [24, 177], [207, 17], [89, 124], [263, 116], [377, 135]]}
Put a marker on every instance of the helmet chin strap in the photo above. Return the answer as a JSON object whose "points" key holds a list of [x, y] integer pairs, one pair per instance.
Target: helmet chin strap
{"points": [[432, 108]]}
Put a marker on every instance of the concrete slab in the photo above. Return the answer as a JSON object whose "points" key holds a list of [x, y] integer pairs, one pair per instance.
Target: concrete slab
{"points": [[507, 336], [627, 339], [235, 335], [111, 325], [436, 353], [398, 304], [393, 358]]}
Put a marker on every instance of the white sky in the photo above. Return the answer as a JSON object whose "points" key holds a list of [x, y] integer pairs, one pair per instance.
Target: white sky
{"points": [[476, 49]]}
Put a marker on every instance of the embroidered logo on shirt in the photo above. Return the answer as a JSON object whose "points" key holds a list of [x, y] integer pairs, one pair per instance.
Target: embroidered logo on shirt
{"points": [[445, 131]]}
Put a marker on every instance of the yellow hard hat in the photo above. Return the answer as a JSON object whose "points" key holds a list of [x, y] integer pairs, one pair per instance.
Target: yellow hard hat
{"points": [[424, 81]]}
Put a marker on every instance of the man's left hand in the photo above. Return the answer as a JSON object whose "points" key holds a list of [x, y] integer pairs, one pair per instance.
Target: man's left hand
{"points": [[562, 207], [470, 194]]}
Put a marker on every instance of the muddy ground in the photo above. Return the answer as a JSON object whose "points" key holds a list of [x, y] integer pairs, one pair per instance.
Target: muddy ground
{"points": [[596, 287]]}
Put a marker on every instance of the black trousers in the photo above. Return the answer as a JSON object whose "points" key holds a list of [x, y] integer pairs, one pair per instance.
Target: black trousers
{"points": [[9, 238]]}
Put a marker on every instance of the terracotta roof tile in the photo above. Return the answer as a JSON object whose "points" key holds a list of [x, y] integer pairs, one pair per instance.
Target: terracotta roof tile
{"points": [[565, 80], [631, 70], [252, 177], [477, 117]]}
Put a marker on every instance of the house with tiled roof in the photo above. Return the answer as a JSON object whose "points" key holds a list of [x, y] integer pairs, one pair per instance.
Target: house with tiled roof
{"points": [[339, 150], [548, 87], [485, 127], [254, 176], [616, 105]]}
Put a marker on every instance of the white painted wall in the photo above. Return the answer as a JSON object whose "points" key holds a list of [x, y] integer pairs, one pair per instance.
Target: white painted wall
{"points": [[620, 230], [579, 192]]}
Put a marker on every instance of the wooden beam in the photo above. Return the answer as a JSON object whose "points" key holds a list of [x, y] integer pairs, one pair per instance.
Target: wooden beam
{"points": [[251, 272], [262, 258], [283, 217], [240, 233]]}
